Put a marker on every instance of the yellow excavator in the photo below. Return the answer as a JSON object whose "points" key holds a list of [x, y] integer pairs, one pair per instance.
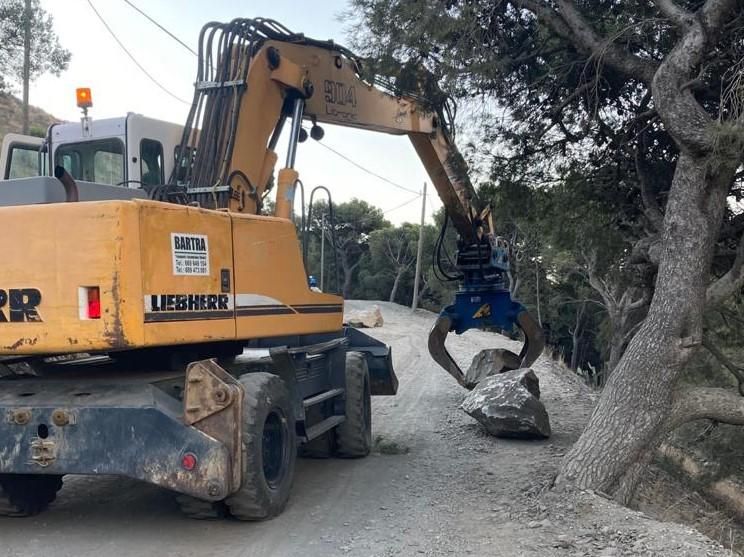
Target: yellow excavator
{"points": [[167, 332]]}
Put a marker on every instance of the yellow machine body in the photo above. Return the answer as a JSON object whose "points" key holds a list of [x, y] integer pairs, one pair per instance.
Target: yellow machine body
{"points": [[167, 275]]}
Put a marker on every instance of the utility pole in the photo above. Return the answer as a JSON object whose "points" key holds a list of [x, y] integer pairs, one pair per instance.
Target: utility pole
{"points": [[26, 61], [419, 249], [322, 253]]}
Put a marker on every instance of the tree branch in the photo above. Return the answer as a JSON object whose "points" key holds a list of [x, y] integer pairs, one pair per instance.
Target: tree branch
{"points": [[715, 14], [729, 283], [679, 16], [631, 332], [721, 405], [548, 16], [725, 362], [598, 284], [651, 206], [602, 48], [685, 119], [640, 302]]}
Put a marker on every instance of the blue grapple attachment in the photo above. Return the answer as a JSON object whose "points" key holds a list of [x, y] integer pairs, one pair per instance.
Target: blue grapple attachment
{"points": [[483, 302]]}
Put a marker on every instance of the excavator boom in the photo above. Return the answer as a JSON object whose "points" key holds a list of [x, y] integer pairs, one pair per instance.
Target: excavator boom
{"points": [[255, 75]]}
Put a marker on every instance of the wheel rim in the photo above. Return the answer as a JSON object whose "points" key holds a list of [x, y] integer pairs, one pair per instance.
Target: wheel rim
{"points": [[274, 445]]}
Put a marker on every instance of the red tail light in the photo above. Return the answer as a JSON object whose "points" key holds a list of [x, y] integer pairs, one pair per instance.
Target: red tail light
{"points": [[188, 461], [90, 302], [94, 303]]}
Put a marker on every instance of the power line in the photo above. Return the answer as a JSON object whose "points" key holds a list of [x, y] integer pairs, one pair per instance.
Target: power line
{"points": [[144, 71], [402, 204], [360, 167], [171, 35]]}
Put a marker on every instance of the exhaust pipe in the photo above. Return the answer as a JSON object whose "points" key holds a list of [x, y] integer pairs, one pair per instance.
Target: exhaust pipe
{"points": [[71, 189]]}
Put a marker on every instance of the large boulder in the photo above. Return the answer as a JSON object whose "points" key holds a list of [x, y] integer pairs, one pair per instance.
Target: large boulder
{"points": [[508, 405], [490, 362], [365, 318]]}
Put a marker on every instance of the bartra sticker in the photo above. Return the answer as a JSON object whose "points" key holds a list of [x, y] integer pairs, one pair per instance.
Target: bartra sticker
{"points": [[190, 254]]}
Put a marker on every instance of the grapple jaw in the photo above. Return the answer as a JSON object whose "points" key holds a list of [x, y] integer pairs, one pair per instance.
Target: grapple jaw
{"points": [[482, 314], [484, 303]]}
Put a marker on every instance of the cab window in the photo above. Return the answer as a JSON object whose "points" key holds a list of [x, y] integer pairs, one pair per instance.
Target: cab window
{"points": [[23, 161], [151, 162], [100, 161]]}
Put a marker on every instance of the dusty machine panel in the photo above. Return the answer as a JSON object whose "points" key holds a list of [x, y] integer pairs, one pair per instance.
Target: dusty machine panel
{"points": [[80, 290], [187, 274], [272, 297]]}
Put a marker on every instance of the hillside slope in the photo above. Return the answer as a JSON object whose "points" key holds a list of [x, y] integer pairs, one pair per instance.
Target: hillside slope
{"points": [[11, 115]]}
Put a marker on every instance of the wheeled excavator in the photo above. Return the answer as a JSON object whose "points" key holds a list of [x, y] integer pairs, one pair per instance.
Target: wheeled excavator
{"points": [[167, 333]]}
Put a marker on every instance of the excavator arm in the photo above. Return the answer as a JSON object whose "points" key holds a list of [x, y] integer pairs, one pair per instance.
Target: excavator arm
{"points": [[260, 76]]}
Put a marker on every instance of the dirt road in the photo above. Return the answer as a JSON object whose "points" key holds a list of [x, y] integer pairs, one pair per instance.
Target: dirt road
{"points": [[436, 485]]}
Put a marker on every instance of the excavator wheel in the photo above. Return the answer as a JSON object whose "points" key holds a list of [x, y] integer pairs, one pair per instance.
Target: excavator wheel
{"points": [[27, 494], [269, 448], [354, 436]]}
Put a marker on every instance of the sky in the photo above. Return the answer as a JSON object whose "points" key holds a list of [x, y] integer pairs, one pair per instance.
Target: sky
{"points": [[118, 86]]}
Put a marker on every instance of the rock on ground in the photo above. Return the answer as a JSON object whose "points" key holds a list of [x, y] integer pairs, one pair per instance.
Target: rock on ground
{"points": [[490, 362], [365, 318], [508, 405]]}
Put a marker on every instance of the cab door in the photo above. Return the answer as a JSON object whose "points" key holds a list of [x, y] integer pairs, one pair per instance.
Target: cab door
{"points": [[20, 156]]}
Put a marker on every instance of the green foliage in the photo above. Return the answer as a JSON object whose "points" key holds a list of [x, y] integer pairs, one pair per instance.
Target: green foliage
{"points": [[37, 131], [347, 239], [47, 55], [569, 141], [376, 253]]}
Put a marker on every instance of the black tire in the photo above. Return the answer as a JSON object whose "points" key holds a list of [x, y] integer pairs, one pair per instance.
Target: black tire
{"points": [[27, 494], [354, 436], [199, 509], [269, 448]]}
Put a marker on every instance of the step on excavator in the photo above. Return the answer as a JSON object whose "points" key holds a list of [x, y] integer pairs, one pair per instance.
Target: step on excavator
{"points": [[166, 332]]}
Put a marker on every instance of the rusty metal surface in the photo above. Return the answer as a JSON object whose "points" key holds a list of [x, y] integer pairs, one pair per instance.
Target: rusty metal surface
{"points": [[213, 404], [126, 429]]}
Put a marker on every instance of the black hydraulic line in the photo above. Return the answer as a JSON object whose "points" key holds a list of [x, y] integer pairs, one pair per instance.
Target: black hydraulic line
{"points": [[438, 251], [277, 131], [224, 55]]}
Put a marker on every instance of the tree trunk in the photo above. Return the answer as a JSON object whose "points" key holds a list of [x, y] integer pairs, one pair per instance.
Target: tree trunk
{"points": [[617, 347], [346, 292], [348, 271], [576, 338], [628, 419], [396, 282]]}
